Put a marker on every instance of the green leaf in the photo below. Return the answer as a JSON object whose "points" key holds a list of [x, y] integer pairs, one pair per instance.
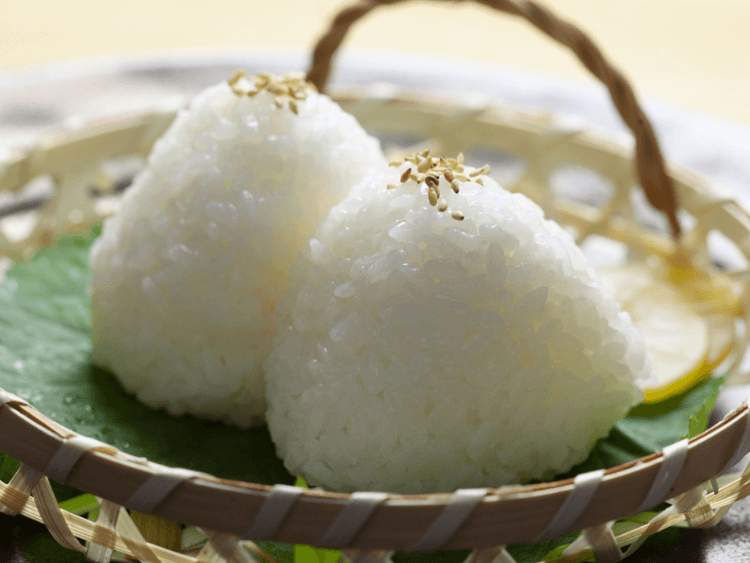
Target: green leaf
{"points": [[533, 552], [647, 428], [8, 467], [281, 552], [80, 505], [45, 357], [309, 554]]}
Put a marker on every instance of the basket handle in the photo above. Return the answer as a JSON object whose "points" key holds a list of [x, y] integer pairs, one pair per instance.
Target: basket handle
{"points": [[651, 167]]}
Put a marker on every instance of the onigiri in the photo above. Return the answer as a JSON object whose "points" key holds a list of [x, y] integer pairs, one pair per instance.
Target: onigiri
{"points": [[441, 333], [187, 273]]}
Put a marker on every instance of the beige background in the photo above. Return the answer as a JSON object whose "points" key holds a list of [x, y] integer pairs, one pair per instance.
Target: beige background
{"points": [[691, 53]]}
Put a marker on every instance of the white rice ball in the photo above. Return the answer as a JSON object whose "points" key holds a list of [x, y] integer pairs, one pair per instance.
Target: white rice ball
{"points": [[418, 352], [187, 274]]}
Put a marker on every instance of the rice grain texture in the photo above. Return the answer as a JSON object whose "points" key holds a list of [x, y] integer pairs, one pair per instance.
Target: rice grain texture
{"points": [[187, 274], [419, 353]]}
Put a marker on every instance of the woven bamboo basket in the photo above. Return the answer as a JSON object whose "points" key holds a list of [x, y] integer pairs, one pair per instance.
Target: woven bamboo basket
{"points": [[370, 526]]}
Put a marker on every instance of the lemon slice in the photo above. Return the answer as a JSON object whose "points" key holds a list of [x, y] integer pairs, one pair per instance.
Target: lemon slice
{"points": [[687, 320]]}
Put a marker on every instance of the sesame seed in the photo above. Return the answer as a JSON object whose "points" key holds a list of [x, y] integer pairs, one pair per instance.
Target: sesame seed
{"points": [[462, 178], [460, 158], [448, 176], [290, 86], [442, 205], [425, 165], [236, 77], [432, 196], [405, 175], [475, 173], [392, 186], [456, 185], [431, 181], [395, 163], [457, 215], [479, 181]]}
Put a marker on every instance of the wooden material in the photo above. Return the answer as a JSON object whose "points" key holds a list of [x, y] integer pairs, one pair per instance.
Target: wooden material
{"points": [[503, 516], [506, 515], [480, 520], [649, 160]]}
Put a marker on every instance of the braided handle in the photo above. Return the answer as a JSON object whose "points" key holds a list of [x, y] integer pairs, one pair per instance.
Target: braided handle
{"points": [[651, 167]]}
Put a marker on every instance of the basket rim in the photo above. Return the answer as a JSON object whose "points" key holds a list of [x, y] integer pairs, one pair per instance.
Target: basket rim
{"points": [[37, 441], [40, 443]]}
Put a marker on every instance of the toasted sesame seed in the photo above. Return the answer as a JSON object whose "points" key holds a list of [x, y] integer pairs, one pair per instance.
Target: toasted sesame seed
{"points": [[424, 165], [432, 196], [448, 176], [236, 77], [431, 181], [289, 86], [405, 175], [457, 215], [442, 205]]}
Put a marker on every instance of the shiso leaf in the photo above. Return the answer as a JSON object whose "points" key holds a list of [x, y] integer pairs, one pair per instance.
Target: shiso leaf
{"points": [[80, 505], [308, 554], [45, 353], [541, 551], [8, 467], [45, 357], [650, 427]]}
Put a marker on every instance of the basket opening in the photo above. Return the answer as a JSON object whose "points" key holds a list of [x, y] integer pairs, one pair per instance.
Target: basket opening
{"points": [[581, 185], [724, 253], [507, 168]]}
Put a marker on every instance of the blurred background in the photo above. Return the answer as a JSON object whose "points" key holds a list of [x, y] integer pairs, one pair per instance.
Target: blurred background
{"points": [[687, 53]]}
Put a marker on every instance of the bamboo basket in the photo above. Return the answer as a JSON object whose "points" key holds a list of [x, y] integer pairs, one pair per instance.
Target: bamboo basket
{"points": [[368, 526]]}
